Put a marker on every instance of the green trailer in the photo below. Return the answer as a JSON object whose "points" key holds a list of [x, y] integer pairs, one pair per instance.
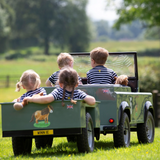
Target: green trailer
{"points": [[119, 110]]}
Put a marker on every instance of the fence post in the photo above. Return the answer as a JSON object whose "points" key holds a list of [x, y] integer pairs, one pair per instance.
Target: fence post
{"points": [[155, 105], [7, 81]]}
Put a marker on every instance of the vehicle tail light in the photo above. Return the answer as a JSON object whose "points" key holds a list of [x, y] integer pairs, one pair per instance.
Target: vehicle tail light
{"points": [[111, 120]]}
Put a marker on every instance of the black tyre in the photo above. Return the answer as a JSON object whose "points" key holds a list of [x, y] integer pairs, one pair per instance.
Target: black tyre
{"points": [[43, 142], [122, 136], [145, 131], [21, 145], [72, 139], [85, 141]]}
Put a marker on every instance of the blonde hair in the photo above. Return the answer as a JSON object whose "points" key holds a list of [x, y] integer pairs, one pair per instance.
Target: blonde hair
{"points": [[99, 55], [64, 59], [29, 79], [69, 77]]}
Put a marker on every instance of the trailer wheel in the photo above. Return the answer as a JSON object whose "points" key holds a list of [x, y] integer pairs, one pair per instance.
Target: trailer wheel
{"points": [[21, 145], [145, 131], [122, 136], [43, 142], [85, 141], [72, 139]]}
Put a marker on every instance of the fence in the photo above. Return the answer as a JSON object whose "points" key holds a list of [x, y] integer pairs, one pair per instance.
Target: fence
{"points": [[11, 80], [156, 104]]}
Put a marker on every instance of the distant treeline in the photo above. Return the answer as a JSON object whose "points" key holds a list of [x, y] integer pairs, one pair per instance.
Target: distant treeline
{"points": [[133, 31], [62, 23], [150, 53]]}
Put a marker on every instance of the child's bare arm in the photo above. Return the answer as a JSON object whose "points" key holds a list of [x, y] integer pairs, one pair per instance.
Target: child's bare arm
{"points": [[89, 100], [16, 100], [41, 99], [48, 83]]}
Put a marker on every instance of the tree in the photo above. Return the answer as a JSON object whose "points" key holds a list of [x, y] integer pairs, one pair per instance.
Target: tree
{"points": [[145, 10], [6, 20], [75, 29], [126, 32], [63, 22], [103, 30]]}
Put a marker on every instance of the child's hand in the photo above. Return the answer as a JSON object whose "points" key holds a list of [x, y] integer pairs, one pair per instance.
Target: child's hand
{"points": [[27, 99]]}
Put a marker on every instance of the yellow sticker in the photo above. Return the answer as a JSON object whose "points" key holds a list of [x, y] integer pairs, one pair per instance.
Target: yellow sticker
{"points": [[42, 132]]}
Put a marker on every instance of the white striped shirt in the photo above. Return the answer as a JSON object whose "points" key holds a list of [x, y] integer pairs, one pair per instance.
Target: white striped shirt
{"points": [[101, 75], [54, 77], [31, 93], [58, 94]]}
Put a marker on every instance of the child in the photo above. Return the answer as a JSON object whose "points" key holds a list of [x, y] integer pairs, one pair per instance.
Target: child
{"points": [[30, 81], [63, 60], [68, 81], [99, 74]]}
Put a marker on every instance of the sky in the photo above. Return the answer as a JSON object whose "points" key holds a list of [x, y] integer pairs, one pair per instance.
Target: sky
{"points": [[96, 11]]}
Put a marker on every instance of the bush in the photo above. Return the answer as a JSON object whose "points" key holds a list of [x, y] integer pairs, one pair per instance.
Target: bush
{"points": [[149, 80], [150, 52]]}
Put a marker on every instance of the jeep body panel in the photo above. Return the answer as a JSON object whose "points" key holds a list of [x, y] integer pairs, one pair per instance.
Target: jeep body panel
{"points": [[114, 100], [71, 116]]}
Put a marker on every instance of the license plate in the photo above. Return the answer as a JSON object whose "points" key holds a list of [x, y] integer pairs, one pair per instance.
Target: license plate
{"points": [[42, 132]]}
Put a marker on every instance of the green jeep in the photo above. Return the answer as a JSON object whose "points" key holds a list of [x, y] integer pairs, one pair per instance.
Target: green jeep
{"points": [[118, 110]]}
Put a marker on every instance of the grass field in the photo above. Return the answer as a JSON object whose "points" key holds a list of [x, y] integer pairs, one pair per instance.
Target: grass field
{"points": [[123, 46], [61, 149], [104, 150], [46, 65], [45, 68]]}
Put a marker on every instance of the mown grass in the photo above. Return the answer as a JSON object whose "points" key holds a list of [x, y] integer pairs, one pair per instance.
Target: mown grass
{"points": [[61, 149], [17, 67], [124, 46], [104, 150], [111, 46], [147, 67]]}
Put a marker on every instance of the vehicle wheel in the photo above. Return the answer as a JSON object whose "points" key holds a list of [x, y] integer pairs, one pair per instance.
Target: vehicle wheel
{"points": [[122, 136], [145, 131], [21, 145], [72, 139], [43, 142], [85, 141]]}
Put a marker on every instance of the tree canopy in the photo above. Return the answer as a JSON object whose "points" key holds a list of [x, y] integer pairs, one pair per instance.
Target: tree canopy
{"points": [[62, 22], [145, 10], [6, 21]]}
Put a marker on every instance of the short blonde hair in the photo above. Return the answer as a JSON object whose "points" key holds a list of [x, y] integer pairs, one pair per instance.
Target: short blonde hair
{"points": [[99, 55], [64, 59], [29, 79]]}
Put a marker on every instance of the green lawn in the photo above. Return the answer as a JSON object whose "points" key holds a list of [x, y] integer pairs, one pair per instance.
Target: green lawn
{"points": [[123, 46], [61, 149], [104, 150], [46, 65]]}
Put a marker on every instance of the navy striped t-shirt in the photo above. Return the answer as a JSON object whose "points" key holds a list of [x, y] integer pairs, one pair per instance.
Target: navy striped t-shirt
{"points": [[58, 94], [101, 75], [31, 93], [54, 77]]}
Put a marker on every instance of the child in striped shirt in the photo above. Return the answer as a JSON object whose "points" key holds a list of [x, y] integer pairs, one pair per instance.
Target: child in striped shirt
{"points": [[63, 60], [30, 81], [99, 74], [68, 81]]}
